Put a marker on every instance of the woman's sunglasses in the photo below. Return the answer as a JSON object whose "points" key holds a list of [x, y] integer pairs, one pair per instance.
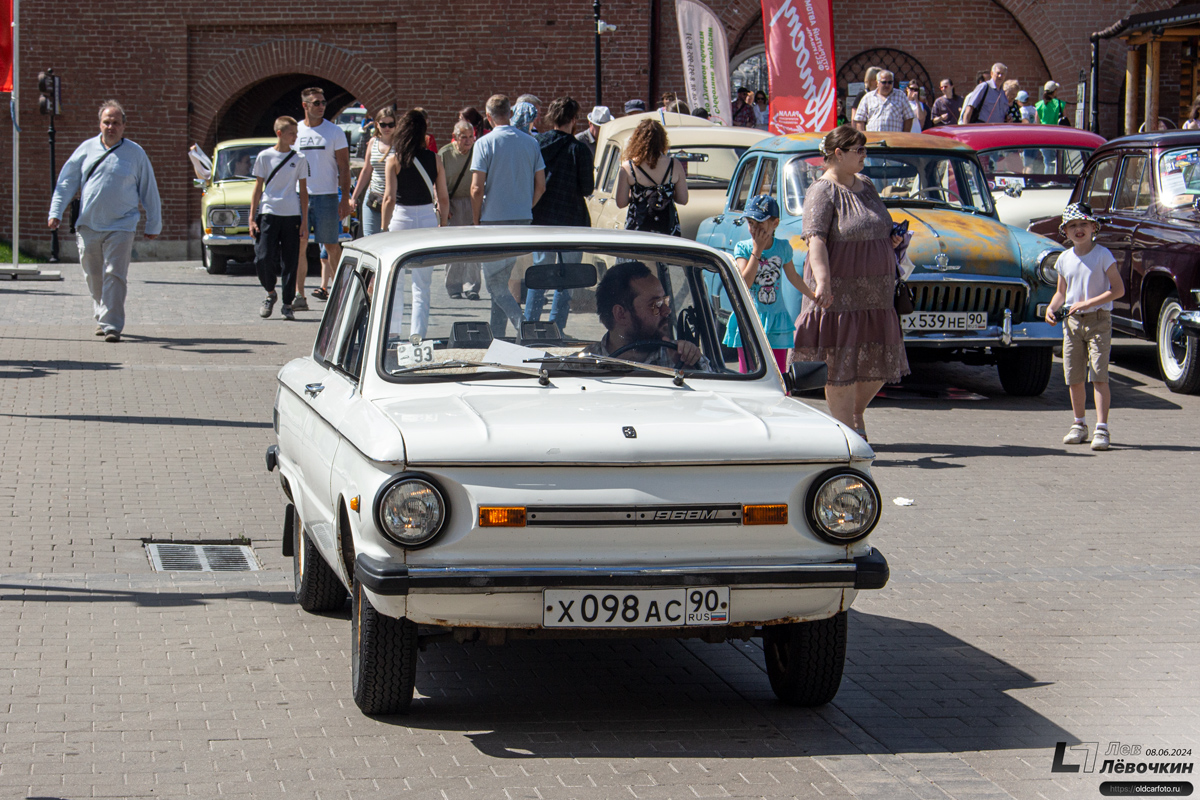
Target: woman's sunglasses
{"points": [[387, 124]]}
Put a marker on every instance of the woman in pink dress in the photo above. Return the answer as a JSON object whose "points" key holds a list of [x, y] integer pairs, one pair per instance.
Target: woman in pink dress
{"points": [[852, 325]]}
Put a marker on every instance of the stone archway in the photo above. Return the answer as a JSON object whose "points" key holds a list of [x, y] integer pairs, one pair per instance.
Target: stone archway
{"points": [[214, 94]]}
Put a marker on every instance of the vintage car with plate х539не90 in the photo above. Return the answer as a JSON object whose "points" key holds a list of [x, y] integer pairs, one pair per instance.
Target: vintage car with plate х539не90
{"points": [[1145, 191], [1031, 169], [462, 487], [977, 282]]}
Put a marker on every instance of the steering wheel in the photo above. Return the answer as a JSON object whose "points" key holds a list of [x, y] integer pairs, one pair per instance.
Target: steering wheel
{"points": [[946, 193], [642, 344]]}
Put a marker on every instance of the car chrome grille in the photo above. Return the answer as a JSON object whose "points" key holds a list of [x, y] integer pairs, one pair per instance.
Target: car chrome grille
{"points": [[992, 298]]}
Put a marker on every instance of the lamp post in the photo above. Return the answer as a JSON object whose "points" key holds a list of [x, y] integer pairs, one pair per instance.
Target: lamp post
{"points": [[602, 27]]}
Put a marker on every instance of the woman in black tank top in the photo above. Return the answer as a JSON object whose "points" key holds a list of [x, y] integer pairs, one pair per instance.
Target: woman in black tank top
{"points": [[650, 185]]}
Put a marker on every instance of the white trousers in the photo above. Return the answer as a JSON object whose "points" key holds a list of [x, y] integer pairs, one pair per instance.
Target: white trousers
{"points": [[407, 218], [104, 256]]}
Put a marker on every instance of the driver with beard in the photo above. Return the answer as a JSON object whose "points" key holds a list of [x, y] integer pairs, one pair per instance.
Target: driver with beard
{"points": [[635, 310]]}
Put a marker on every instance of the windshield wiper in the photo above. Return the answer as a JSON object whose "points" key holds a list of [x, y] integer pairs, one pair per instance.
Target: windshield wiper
{"points": [[596, 360], [541, 374]]}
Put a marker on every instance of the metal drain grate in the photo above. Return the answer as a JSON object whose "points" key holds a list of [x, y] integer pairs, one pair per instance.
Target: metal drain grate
{"points": [[202, 558]]}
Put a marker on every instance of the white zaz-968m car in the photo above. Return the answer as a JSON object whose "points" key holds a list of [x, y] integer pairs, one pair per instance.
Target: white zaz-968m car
{"points": [[609, 472]]}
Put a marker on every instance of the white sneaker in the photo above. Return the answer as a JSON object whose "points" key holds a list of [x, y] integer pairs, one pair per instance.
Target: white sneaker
{"points": [[1100, 439], [1077, 434]]}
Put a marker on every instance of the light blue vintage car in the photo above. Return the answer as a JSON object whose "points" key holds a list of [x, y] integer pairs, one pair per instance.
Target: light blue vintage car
{"points": [[981, 286]]}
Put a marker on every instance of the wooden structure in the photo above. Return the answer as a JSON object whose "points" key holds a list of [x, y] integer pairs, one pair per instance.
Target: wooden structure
{"points": [[1144, 35]]}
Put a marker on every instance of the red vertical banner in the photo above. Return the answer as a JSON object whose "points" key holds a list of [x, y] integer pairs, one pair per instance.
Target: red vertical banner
{"points": [[800, 66], [6, 51]]}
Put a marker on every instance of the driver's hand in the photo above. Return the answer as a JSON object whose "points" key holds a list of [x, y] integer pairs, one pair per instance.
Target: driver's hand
{"points": [[689, 353]]}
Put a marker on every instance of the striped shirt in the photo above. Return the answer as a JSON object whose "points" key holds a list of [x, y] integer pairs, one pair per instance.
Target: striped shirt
{"points": [[891, 113]]}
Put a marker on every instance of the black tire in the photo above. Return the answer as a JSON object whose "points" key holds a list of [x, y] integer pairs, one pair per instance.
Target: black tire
{"points": [[1025, 371], [204, 257], [805, 659], [216, 263], [383, 658], [1178, 353], [317, 585]]}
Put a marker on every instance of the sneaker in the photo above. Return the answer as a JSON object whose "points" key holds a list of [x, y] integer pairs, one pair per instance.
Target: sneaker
{"points": [[286, 312], [267, 306], [471, 295], [300, 304], [112, 336], [1100, 439], [1077, 434], [320, 294], [99, 330], [456, 295]]}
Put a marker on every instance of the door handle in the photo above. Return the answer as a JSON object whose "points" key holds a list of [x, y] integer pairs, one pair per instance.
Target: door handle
{"points": [[314, 389], [740, 221], [1103, 220], [603, 200], [717, 220]]}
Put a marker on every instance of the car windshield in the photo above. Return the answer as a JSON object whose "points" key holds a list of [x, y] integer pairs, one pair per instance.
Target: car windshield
{"points": [[1034, 167], [904, 179], [1179, 176], [351, 117], [237, 163], [708, 166], [661, 301]]}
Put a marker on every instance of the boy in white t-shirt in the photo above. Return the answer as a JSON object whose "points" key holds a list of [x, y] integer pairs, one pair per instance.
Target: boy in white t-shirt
{"points": [[1088, 282], [279, 215]]}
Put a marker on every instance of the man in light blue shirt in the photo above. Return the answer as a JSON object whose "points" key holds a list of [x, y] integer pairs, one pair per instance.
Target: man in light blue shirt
{"points": [[112, 176], [508, 177]]}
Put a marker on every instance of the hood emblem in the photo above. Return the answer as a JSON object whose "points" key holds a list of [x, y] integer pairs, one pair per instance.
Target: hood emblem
{"points": [[629, 431], [941, 263]]}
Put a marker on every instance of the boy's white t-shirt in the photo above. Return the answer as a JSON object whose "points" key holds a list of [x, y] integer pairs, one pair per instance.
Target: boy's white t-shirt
{"points": [[1085, 276], [318, 145], [280, 195]]}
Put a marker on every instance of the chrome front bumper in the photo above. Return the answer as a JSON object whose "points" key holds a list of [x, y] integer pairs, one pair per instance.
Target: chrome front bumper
{"points": [[1024, 334], [390, 578], [246, 240]]}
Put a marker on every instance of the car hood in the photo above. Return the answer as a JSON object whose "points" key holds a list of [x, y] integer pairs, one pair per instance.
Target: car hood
{"points": [[229, 193], [979, 245], [592, 422]]}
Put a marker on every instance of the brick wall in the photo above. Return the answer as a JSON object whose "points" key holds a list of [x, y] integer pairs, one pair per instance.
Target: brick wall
{"points": [[185, 67]]}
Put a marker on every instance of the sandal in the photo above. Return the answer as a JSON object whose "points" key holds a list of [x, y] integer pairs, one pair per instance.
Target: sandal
{"points": [[863, 433], [320, 294]]}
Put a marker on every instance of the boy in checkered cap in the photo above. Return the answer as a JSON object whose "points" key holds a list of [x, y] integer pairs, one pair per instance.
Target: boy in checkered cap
{"points": [[1088, 282]]}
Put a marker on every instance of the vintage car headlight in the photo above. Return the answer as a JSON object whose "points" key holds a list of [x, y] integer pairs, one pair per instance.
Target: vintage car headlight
{"points": [[223, 217], [1046, 271], [843, 506], [411, 510]]}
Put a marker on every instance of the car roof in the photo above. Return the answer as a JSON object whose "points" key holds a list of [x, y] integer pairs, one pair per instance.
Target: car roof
{"points": [[988, 137], [690, 135], [260, 140], [803, 142], [391, 246], [1155, 139]]}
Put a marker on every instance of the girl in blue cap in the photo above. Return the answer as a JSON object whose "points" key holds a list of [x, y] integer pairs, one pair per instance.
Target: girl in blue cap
{"points": [[762, 261]]}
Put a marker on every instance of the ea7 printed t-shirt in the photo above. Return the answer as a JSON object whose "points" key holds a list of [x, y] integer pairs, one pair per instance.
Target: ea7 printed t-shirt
{"points": [[318, 145]]}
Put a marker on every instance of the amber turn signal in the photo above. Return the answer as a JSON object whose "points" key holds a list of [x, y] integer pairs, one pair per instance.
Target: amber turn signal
{"points": [[354, 503], [770, 514], [501, 517]]}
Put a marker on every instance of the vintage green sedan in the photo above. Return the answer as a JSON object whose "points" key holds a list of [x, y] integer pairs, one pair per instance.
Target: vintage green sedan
{"points": [[978, 282]]}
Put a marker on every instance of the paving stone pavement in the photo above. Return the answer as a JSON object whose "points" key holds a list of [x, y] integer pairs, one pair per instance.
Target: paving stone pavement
{"points": [[1040, 593]]}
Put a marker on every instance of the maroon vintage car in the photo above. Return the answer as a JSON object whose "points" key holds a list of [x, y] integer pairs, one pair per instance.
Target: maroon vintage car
{"points": [[1145, 190], [1030, 169]]}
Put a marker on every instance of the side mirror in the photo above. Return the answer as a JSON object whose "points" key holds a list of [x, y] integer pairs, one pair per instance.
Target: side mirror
{"points": [[199, 184], [806, 376]]}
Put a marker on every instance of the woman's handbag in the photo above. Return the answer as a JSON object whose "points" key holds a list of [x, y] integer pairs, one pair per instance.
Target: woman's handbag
{"points": [[905, 301], [375, 201]]}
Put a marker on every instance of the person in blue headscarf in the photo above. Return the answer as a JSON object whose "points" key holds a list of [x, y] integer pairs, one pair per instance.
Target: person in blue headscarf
{"points": [[523, 115]]}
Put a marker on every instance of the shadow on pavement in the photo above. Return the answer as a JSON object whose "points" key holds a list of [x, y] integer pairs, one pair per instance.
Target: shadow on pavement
{"points": [[186, 344], [908, 687], [40, 369], [24, 593], [141, 420]]}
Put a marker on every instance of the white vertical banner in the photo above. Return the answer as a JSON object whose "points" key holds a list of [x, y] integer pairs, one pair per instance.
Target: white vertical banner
{"points": [[705, 59]]}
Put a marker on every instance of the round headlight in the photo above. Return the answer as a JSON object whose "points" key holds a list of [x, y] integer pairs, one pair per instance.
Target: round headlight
{"points": [[411, 511], [844, 506], [223, 217], [1046, 271]]}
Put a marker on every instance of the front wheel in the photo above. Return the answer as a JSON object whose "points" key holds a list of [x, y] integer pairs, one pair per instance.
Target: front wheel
{"points": [[1025, 371], [805, 659], [317, 585], [383, 658], [1177, 351], [215, 262]]}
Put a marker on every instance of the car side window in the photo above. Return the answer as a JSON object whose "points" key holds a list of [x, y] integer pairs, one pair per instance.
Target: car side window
{"points": [[766, 177], [323, 351], [1100, 184], [612, 163], [352, 336], [1131, 191], [742, 184]]}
